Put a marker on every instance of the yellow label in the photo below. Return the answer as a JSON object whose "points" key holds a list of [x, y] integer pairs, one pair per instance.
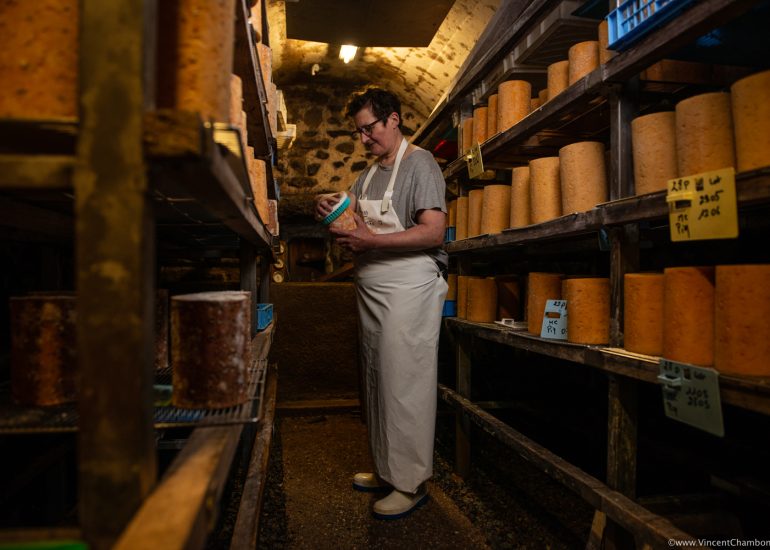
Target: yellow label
{"points": [[475, 164], [703, 206]]}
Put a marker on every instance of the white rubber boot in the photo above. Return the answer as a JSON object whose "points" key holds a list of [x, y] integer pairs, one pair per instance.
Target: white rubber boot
{"points": [[369, 482], [399, 504]]}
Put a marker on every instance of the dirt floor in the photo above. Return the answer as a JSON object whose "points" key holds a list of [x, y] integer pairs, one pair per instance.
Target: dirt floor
{"points": [[504, 503]]}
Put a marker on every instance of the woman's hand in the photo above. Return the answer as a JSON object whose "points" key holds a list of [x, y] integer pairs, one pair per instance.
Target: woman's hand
{"points": [[324, 204], [358, 240]]}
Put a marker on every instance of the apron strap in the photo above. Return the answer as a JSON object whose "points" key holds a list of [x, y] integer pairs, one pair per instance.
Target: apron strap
{"points": [[391, 183]]}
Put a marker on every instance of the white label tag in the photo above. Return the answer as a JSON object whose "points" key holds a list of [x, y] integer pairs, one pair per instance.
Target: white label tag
{"points": [[691, 395], [554, 320]]}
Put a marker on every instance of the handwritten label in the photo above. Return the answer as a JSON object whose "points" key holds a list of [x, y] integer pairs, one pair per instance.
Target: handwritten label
{"points": [[475, 163], [691, 395], [703, 206], [554, 320]]}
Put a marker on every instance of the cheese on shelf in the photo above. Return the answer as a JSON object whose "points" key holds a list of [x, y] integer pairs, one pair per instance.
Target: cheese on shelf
{"points": [[475, 206], [512, 103], [588, 309], [541, 287], [583, 176], [688, 315], [451, 220], [461, 231], [605, 54], [643, 313], [520, 203], [742, 309], [545, 189], [558, 78], [496, 208], [451, 293], [482, 299], [462, 296], [467, 135], [583, 58], [480, 124], [653, 139], [508, 297], [704, 134], [492, 115], [751, 115]]}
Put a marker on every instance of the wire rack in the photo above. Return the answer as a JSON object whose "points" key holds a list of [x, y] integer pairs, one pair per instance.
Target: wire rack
{"points": [[64, 418]]}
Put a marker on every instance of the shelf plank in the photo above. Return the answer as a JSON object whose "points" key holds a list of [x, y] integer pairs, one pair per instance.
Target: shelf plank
{"points": [[36, 172]]}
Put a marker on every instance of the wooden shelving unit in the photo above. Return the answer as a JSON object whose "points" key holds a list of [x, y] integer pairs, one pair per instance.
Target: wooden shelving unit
{"points": [[599, 107]]}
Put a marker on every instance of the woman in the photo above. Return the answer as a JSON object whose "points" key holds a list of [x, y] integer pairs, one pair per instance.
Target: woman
{"points": [[400, 226]]}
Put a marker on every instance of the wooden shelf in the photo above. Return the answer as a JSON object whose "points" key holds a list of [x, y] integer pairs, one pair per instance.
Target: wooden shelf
{"points": [[751, 394]]}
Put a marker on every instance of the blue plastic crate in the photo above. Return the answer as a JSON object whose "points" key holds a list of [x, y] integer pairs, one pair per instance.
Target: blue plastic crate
{"points": [[264, 315], [450, 235], [635, 18], [450, 308]]}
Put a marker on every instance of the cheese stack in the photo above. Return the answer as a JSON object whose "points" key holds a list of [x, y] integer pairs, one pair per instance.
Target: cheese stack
{"points": [[583, 58], [542, 95], [451, 293], [545, 189], [540, 288], [653, 139], [451, 220], [265, 64], [583, 176], [39, 59], [475, 206], [751, 115], [492, 115], [482, 299], [558, 78], [461, 231], [210, 338], [605, 54], [496, 208], [688, 315], [534, 103], [467, 135], [704, 134], [195, 60], [588, 310], [742, 302], [512, 103], [480, 124], [462, 296], [643, 313], [508, 298], [520, 203], [43, 349], [258, 177]]}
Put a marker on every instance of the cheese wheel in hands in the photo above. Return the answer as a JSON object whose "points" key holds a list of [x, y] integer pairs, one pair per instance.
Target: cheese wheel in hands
{"points": [[704, 134], [482, 299], [520, 203], [742, 308], [588, 309], [545, 189], [653, 139], [688, 315], [750, 99], [583, 176], [541, 287], [643, 313], [496, 208], [475, 206]]}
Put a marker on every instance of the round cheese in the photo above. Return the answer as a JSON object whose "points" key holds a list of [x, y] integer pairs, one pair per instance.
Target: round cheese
{"points": [[583, 176], [508, 298], [583, 58], [534, 103], [542, 95], [480, 124], [236, 100], [643, 313], [653, 139], [475, 206], [688, 315], [482, 300], [704, 134], [588, 309], [540, 288], [520, 203], [492, 115], [605, 54], [467, 135], [742, 308], [462, 296], [545, 189], [512, 103], [558, 78], [451, 213], [496, 208], [461, 231], [751, 115], [451, 293]]}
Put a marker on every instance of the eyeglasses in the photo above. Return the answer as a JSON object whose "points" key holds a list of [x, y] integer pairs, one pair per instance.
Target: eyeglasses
{"points": [[367, 129]]}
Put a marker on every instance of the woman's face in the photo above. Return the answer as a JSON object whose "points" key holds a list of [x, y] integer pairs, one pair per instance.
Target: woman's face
{"points": [[379, 136]]}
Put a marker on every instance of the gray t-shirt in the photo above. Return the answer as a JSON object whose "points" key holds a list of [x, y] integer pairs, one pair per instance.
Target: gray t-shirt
{"points": [[419, 186]]}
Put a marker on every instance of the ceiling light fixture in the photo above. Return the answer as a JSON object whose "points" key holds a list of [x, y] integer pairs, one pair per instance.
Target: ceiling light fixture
{"points": [[347, 52]]}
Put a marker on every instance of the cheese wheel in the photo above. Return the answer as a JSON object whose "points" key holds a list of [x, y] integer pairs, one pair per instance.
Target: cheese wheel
{"points": [[750, 99], [704, 134], [451, 293], [496, 208], [583, 58], [39, 59], [520, 203], [512, 103], [236, 100], [588, 309], [544, 189], [258, 176], [480, 124], [534, 103], [461, 231], [653, 139], [688, 315], [265, 63], [255, 18], [492, 115], [195, 60], [542, 95], [742, 308], [643, 313], [508, 298], [482, 299], [475, 207], [462, 296], [605, 54], [558, 78], [452, 213], [540, 288], [43, 349], [467, 135], [583, 176]]}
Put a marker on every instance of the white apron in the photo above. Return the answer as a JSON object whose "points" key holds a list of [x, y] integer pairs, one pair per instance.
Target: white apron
{"points": [[400, 298]]}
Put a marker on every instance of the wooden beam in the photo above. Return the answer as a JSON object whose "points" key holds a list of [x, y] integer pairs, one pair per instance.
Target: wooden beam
{"points": [[36, 171], [115, 269]]}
